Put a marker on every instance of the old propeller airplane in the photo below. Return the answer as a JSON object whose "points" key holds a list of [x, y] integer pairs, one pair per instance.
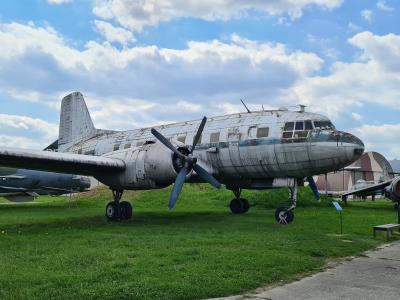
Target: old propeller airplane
{"points": [[253, 150], [19, 185]]}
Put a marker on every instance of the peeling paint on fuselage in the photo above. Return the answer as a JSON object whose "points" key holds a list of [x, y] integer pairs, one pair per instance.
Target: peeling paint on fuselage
{"points": [[240, 154]]}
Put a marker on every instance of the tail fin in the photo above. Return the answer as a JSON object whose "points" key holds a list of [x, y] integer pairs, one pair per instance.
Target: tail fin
{"points": [[75, 121]]}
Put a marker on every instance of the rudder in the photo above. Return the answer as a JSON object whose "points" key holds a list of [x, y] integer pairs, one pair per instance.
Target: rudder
{"points": [[75, 121]]}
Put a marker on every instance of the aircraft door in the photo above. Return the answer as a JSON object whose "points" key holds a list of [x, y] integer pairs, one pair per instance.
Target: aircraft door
{"points": [[233, 146]]}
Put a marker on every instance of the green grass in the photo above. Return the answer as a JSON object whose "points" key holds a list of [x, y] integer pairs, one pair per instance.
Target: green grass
{"points": [[68, 250]]}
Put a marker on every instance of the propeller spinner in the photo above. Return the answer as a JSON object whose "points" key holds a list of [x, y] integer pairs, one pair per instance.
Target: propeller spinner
{"points": [[189, 164]]}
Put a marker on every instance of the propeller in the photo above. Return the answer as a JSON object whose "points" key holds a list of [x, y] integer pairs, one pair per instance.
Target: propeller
{"points": [[313, 187], [189, 164]]}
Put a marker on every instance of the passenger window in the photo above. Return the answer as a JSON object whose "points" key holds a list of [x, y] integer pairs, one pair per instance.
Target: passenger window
{"points": [[287, 134], [299, 125], [214, 137], [308, 124], [182, 139], [126, 146], [116, 147], [289, 126], [262, 132]]}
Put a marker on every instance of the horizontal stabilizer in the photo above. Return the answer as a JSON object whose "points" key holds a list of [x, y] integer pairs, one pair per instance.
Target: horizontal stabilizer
{"points": [[59, 162]]}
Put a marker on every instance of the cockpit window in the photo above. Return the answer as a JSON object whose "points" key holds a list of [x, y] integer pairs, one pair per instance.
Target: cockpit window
{"points": [[308, 125], [299, 125], [289, 126], [323, 125]]}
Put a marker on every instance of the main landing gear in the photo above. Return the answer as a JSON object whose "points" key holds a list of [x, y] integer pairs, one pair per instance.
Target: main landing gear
{"points": [[239, 205], [118, 210], [285, 215]]}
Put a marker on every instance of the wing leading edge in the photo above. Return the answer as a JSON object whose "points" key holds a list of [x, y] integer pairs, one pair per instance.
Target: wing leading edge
{"points": [[59, 162], [368, 190]]}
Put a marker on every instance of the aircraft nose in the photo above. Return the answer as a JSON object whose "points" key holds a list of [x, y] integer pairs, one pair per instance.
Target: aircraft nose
{"points": [[352, 141], [84, 183]]}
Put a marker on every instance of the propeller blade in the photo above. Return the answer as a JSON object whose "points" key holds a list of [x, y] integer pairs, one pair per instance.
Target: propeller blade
{"points": [[176, 190], [166, 142], [313, 187], [206, 176], [198, 134]]}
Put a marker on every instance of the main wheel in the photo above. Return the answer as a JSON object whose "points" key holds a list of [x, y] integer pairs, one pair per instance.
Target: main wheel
{"points": [[112, 212], [239, 206], [236, 206], [245, 204], [126, 210], [283, 216]]}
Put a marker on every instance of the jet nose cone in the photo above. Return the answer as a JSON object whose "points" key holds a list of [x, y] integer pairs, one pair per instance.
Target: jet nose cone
{"points": [[84, 183]]}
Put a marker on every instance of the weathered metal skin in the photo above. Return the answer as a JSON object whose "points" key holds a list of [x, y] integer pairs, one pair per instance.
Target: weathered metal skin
{"points": [[252, 150], [148, 166], [238, 156]]}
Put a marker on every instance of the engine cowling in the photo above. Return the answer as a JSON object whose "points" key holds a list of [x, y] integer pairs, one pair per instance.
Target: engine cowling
{"points": [[395, 189], [148, 166]]}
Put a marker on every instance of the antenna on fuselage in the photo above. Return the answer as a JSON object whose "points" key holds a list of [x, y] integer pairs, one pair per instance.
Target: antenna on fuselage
{"points": [[248, 110]]}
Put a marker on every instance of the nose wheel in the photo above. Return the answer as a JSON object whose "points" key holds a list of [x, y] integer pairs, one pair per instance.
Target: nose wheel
{"points": [[117, 210], [285, 215]]}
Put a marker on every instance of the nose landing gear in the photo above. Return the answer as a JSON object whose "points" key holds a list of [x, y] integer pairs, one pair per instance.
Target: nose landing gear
{"points": [[285, 215], [116, 210]]}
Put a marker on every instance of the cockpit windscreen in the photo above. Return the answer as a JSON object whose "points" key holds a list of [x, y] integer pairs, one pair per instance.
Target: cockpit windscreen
{"points": [[323, 125]]}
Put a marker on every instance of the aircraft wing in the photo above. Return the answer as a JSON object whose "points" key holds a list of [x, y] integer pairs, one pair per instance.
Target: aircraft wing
{"points": [[59, 162], [368, 190]]}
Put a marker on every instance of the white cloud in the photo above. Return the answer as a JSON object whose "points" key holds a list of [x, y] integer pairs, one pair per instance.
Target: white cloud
{"points": [[59, 1], [381, 4], [354, 27], [382, 138], [114, 34], [137, 14], [373, 78], [356, 116], [21, 142], [366, 14], [46, 129]]}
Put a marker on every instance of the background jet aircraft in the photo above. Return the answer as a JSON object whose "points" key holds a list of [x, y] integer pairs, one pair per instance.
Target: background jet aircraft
{"points": [[391, 189], [253, 150], [19, 185]]}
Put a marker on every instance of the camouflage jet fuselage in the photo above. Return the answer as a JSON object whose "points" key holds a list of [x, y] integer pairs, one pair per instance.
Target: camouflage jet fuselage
{"points": [[19, 185]]}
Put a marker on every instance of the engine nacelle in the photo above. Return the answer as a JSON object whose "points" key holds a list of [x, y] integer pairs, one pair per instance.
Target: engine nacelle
{"points": [[147, 167], [395, 189]]}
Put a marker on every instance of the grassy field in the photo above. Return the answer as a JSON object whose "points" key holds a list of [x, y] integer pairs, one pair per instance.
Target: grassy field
{"points": [[68, 250]]}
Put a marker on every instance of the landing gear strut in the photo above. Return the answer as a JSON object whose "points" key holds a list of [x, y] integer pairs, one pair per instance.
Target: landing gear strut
{"points": [[239, 205], [285, 215], [116, 210]]}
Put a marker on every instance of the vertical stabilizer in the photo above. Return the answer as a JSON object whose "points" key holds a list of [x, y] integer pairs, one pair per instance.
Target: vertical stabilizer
{"points": [[75, 122]]}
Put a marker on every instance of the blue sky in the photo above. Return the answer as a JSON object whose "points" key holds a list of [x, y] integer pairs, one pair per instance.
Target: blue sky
{"points": [[146, 62]]}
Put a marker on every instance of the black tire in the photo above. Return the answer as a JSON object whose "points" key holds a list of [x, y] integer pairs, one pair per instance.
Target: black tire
{"points": [[284, 217], [126, 210], [112, 211], [236, 206], [245, 204]]}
